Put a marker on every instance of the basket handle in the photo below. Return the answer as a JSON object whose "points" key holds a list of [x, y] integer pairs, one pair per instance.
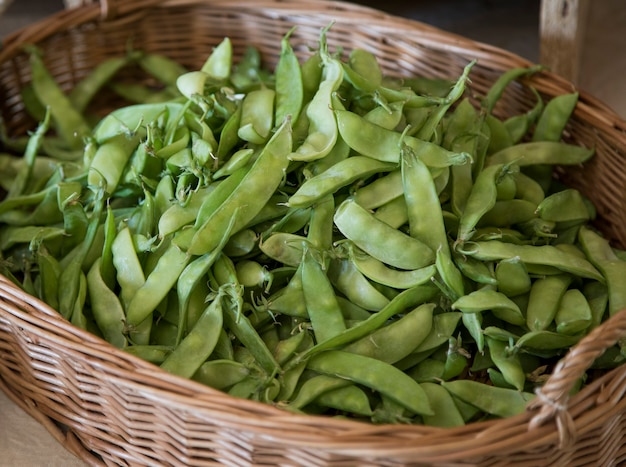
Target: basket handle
{"points": [[553, 397]]}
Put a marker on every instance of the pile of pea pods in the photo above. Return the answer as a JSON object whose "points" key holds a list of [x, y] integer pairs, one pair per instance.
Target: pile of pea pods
{"points": [[319, 237]]}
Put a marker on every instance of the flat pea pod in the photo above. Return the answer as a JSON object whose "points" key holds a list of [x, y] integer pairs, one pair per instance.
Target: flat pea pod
{"points": [[192, 351], [323, 131], [160, 280], [446, 413], [348, 280], [109, 162], [393, 213], [49, 271], [544, 300], [500, 402], [106, 307], [508, 213], [574, 313], [219, 63], [554, 117], [129, 273], [349, 399], [613, 269], [486, 299], [257, 116], [481, 272], [597, 296], [543, 255], [321, 227], [319, 297], [564, 206], [546, 340], [221, 374], [255, 189], [67, 120], [393, 342], [289, 85], [151, 353], [284, 247], [332, 179], [374, 374], [397, 249], [482, 198], [512, 277], [541, 152], [443, 326], [380, 191], [313, 388], [505, 79], [507, 361], [378, 272]]}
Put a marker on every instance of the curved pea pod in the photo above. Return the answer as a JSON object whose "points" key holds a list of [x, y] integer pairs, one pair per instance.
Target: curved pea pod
{"points": [[239, 159], [253, 192], [313, 388], [290, 299], [109, 161], [386, 116], [349, 399], [508, 213], [319, 297], [481, 272], [323, 131], [380, 191], [284, 247], [486, 299], [554, 117], [528, 189], [179, 215], [375, 374], [564, 206], [221, 374], [393, 213], [613, 269], [443, 326], [446, 413], [257, 116], [352, 283], [219, 63], [482, 198], [161, 67], [543, 255], [512, 277], [500, 402], [543, 340], [597, 296], [339, 175], [544, 300], [505, 79], [289, 85], [541, 152], [129, 118], [393, 342], [376, 271], [192, 351], [507, 361], [158, 283], [574, 313], [381, 241]]}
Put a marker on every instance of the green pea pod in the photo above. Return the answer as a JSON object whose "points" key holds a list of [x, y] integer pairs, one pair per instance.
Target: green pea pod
{"points": [[393, 342], [106, 308], [109, 161], [508, 362], [221, 374], [497, 89], [349, 399], [255, 189], [323, 131], [546, 340], [554, 117], [319, 297], [541, 152], [380, 191], [512, 277], [574, 313], [199, 343], [613, 269], [67, 120], [332, 179], [161, 67], [129, 273], [542, 255], [393, 213], [376, 375], [446, 413], [544, 300], [257, 116], [376, 271], [289, 85], [500, 402], [218, 65], [486, 299], [313, 388], [443, 326], [348, 280], [564, 206], [398, 249]]}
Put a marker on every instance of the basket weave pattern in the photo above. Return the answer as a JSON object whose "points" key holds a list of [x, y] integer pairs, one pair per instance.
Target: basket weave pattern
{"points": [[111, 408]]}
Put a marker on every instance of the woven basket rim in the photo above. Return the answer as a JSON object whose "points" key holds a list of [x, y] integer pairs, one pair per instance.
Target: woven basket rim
{"points": [[187, 394]]}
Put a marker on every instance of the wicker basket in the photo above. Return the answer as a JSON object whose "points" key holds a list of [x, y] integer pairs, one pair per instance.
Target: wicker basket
{"points": [[110, 408]]}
